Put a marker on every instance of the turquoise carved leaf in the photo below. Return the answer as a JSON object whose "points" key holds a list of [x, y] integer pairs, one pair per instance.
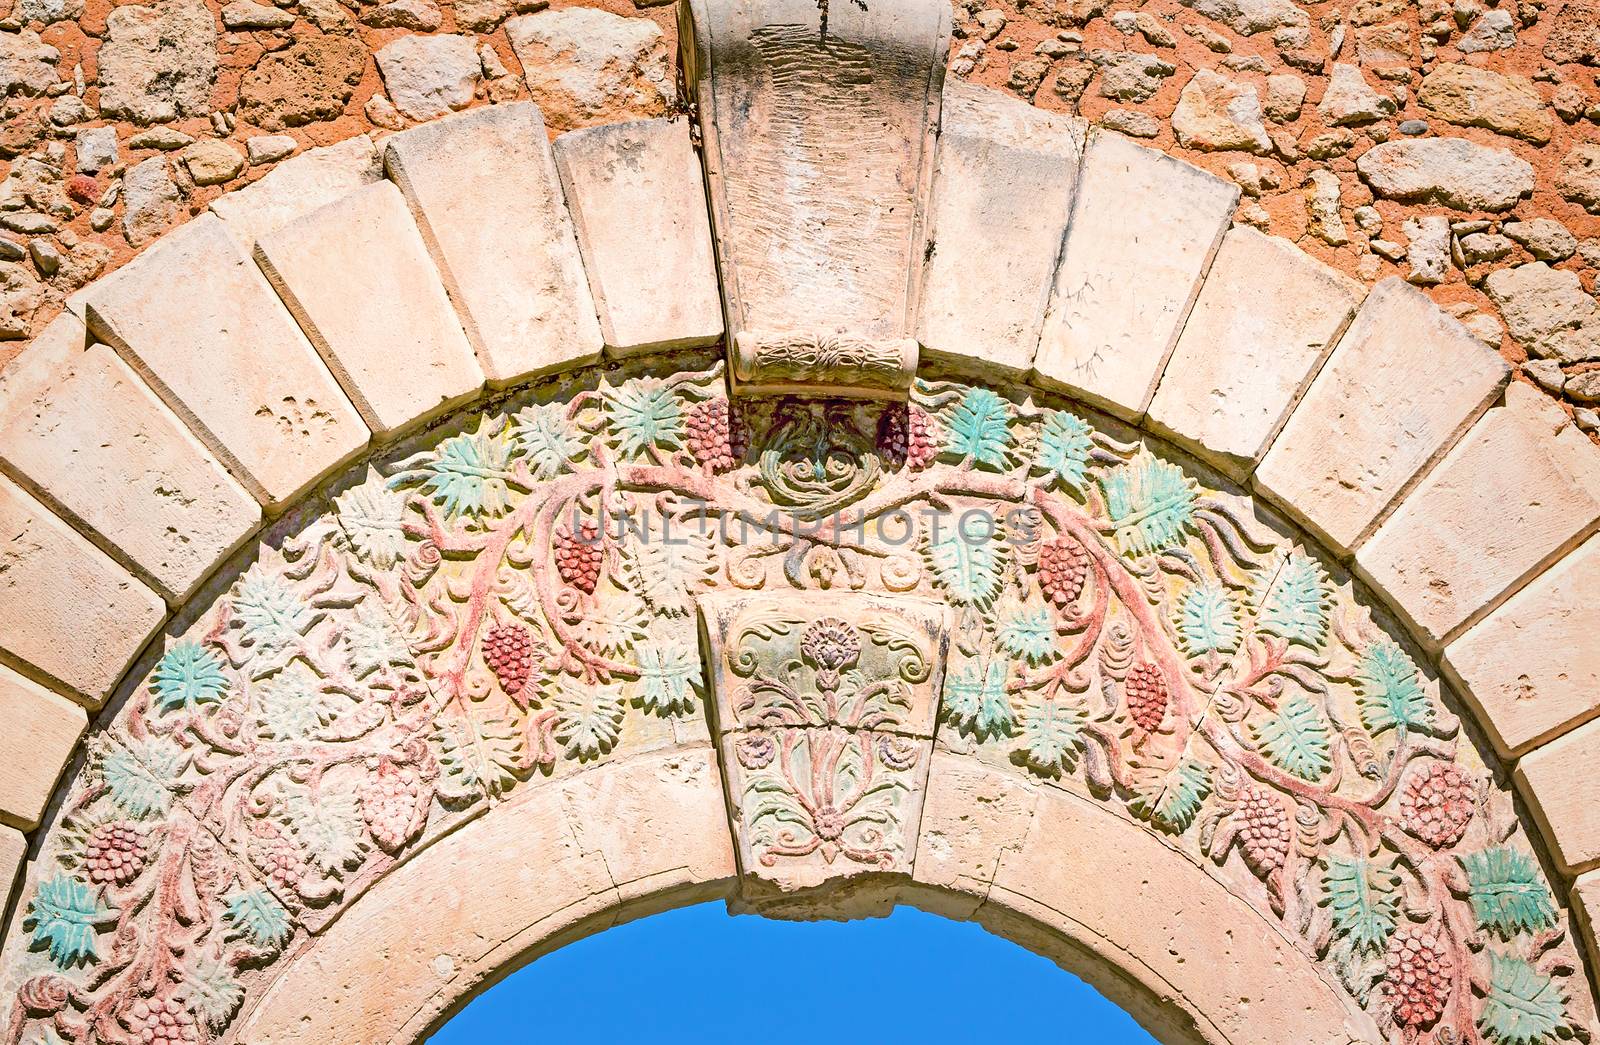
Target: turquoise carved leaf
{"points": [[1524, 1006], [141, 777], [975, 699], [64, 916], [1506, 893], [1293, 600], [1297, 740], [644, 417], [1062, 455], [669, 678], [979, 429], [547, 439], [1171, 801], [1208, 620], [466, 475], [969, 569], [1362, 899], [1051, 732], [255, 915], [1388, 693], [271, 619], [188, 676], [1150, 503], [1028, 634]]}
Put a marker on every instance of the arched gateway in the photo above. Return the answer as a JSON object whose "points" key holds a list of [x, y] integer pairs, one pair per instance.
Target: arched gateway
{"points": [[1001, 565]]}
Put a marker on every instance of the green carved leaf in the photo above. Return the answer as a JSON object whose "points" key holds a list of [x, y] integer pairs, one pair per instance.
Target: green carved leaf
{"points": [[1062, 454], [1507, 894], [975, 699], [1363, 899], [1029, 635], [271, 619], [669, 678], [188, 676], [588, 718], [1388, 693], [256, 915], [979, 429], [211, 991], [1052, 736], [477, 755], [1524, 1006], [466, 475], [1150, 503], [63, 917], [328, 825], [373, 518], [1297, 740], [1208, 620], [644, 416], [1294, 600], [141, 777], [1172, 800], [969, 570], [547, 438]]}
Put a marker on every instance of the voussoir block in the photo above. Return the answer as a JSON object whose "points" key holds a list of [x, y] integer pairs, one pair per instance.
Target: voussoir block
{"points": [[1143, 231], [484, 190], [67, 612], [1557, 780], [297, 187], [1265, 320], [1403, 384], [1586, 901], [358, 279], [1531, 669], [1519, 490], [13, 851], [1002, 193], [638, 205], [82, 432], [198, 321], [41, 731]]}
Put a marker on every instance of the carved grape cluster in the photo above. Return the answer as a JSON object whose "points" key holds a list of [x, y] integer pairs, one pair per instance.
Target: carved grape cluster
{"points": [[1436, 803], [579, 555], [115, 853]]}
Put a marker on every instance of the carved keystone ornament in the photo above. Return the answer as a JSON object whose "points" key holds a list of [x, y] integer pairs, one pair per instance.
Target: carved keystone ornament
{"points": [[819, 128]]}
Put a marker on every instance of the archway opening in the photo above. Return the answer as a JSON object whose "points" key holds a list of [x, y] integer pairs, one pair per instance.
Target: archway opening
{"points": [[972, 985]]}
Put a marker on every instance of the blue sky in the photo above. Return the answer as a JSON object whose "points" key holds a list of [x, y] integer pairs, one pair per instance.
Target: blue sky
{"points": [[697, 975]]}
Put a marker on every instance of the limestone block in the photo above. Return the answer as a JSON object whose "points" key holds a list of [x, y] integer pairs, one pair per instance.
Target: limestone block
{"points": [[1557, 781], [972, 814], [1586, 902], [357, 277], [1531, 669], [1475, 530], [84, 433], [1404, 383], [1264, 322], [13, 852], [638, 203], [1143, 231], [296, 188], [1002, 193], [483, 188], [41, 730], [199, 323], [67, 612]]}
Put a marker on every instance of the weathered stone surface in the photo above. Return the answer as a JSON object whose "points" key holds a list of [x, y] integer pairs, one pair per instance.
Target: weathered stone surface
{"points": [[41, 731], [1451, 171], [638, 207], [971, 816], [247, 15], [988, 280], [1494, 31], [1529, 669], [158, 63], [1130, 122], [150, 201], [1215, 112], [1265, 319], [13, 853], [91, 439], [584, 66], [1322, 200], [1249, 17], [212, 162], [1286, 94], [96, 149], [1349, 99], [291, 190], [430, 76], [269, 148], [309, 81], [1427, 249], [1575, 34], [67, 612], [1586, 902], [358, 279], [1578, 180], [1473, 97], [197, 320], [47, 11], [1129, 272], [1548, 311], [1401, 387], [27, 64], [419, 15], [1474, 530], [1545, 238], [1131, 76], [21, 294], [1557, 780], [513, 269]]}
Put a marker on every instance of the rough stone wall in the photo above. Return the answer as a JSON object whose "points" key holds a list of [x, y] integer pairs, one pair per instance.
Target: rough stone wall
{"points": [[1455, 146]]}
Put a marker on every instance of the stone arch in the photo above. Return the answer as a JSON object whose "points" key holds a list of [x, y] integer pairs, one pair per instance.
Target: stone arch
{"points": [[1257, 549]]}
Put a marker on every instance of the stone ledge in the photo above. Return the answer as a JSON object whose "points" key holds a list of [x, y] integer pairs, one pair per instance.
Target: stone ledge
{"points": [[1557, 782], [40, 732]]}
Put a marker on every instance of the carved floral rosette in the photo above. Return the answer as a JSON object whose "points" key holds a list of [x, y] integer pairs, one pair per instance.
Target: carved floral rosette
{"points": [[513, 596], [825, 709]]}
